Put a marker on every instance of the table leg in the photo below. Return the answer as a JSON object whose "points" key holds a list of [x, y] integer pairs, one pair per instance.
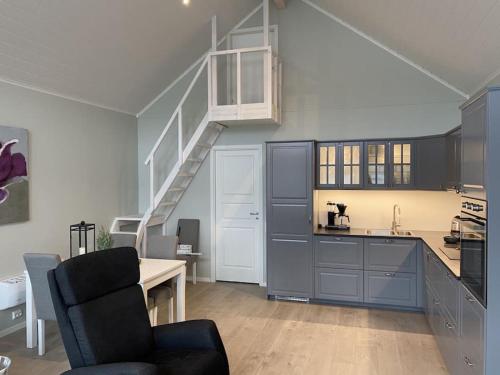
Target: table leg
{"points": [[194, 273], [181, 295], [31, 321]]}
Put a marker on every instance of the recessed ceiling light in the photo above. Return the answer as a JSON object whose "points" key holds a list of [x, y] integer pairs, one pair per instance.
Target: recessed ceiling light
{"points": [[186, 2]]}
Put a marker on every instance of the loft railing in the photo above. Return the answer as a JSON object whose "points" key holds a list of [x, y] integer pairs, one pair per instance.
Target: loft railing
{"points": [[242, 82]]}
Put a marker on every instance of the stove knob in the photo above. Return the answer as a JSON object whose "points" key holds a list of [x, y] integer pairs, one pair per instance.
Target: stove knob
{"points": [[478, 207], [469, 205], [464, 204]]}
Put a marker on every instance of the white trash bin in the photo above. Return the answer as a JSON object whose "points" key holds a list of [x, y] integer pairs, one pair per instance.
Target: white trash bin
{"points": [[5, 363]]}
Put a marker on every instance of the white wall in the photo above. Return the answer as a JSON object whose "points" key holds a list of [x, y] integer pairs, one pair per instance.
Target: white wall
{"points": [[82, 166], [337, 86]]}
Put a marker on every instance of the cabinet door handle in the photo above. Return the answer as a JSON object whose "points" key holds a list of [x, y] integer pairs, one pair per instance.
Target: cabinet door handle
{"points": [[254, 213], [449, 325], [389, 241], [435, 301], [470, 299], [468, 362], [389, 274]]}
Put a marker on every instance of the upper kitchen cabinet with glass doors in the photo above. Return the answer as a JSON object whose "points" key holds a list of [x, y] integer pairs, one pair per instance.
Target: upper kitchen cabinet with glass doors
{"points": [[351, 175], [376, 170], [328, 165], [402, 161], [339, 165]]}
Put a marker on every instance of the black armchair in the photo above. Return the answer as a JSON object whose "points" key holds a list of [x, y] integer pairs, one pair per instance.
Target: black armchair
{"points": [[105, 327]]}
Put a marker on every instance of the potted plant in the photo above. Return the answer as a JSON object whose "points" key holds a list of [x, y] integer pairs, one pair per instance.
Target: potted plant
{"points": [[104, 239]]}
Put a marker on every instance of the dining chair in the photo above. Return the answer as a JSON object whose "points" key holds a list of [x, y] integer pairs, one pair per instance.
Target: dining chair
{"points": [[162, 247], [37, 266]]}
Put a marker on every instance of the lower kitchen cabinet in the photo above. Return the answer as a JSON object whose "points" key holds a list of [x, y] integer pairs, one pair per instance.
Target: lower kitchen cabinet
{"points": [[390, 288], [456, 318], [292, 267], [339, 284], [389, 254], [444, 285], [338, 252], [471, 334]]}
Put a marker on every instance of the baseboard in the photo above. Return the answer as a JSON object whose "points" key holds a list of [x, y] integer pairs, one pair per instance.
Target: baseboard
{"points": [[14, 328], [200, 279]]}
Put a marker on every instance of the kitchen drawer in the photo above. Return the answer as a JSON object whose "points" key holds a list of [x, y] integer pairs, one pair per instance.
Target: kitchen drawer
{"points": [[390, 288], [388, 254], [432, 309], [338, 252], [431, 271], [339, 285], [449, 294], [443, 283], [471, 333], [448, 341]]}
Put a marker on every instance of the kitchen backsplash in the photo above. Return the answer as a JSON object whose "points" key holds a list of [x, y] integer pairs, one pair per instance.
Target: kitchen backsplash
{"points": [[421, 210]]}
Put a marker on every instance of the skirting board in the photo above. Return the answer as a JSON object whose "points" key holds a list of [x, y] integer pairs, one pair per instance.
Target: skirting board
{"points": [[200, 279], [14, 328]]}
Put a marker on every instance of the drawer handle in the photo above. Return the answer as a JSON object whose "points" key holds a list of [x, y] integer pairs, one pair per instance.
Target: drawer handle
{"points": [[389, 241], [388, 274], [449, 325], [468, 362], [470, 299]]}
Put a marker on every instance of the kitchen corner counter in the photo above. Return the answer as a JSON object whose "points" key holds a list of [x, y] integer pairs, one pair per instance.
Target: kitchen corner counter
{"points": [[433, 239]]}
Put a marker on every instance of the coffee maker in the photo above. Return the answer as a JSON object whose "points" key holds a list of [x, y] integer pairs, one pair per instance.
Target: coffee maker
{"points": [[336, 220]]}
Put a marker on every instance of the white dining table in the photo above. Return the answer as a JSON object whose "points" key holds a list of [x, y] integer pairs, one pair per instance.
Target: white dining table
{"points": [[152, 273]]}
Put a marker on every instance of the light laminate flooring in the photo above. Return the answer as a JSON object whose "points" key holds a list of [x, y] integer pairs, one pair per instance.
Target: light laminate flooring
{"points": [[275, 337]]}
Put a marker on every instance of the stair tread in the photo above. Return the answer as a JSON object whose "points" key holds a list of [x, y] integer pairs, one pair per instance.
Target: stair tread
{"points": [[168, 203]]}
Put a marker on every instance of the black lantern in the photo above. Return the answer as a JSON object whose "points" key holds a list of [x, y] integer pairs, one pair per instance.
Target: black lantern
{"points": [[82, 231]]}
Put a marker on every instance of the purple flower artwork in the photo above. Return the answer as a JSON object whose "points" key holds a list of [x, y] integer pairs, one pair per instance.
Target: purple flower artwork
{"points": [[12, 166], [14, 183]]}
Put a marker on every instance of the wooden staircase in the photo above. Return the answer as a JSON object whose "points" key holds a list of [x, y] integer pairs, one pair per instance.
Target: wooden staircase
{"points": [[210, 103]]}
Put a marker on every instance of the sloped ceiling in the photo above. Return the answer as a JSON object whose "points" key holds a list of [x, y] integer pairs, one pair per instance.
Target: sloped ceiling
{"points": [[457, 40], [118, 54], [121, 54]]}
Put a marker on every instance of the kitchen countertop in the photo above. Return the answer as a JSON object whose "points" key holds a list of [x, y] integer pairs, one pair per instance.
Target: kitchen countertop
{"points": [[433, 239]]}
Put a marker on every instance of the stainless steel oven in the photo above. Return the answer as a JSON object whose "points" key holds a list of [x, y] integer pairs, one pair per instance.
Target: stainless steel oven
{"points": [[473, 246]]}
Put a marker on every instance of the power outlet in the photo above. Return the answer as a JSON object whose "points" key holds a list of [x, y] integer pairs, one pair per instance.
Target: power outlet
{"points": [[17, 314]]}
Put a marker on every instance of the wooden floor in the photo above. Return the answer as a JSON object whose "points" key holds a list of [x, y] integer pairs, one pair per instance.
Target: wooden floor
{"points": [[270, 337]]}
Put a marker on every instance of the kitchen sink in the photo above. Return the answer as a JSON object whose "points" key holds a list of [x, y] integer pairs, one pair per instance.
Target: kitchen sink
{"points": [[389, 232], [404, 233], [380, 232]]}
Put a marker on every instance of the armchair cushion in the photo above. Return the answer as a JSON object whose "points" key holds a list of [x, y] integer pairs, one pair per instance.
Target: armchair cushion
{"points": [[123, 368], [105, 272], [189, 362], [191, 334], [113, 328]]}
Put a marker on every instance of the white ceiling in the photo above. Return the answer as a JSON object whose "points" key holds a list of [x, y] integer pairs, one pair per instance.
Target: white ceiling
{"points": [[118, 54], [457, 40], [121, 54]]}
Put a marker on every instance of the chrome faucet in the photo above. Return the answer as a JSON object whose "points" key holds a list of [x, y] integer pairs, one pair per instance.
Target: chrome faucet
{"points": [[396, 221]]}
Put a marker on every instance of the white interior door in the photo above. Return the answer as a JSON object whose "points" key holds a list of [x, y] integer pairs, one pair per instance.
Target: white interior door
{"points": [[238, 215]]}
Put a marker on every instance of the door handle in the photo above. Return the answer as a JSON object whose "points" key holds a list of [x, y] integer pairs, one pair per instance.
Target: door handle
{"points": [[468, 362]]}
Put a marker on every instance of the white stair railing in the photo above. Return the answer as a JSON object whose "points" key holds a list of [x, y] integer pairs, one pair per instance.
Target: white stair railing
{"points": [[175, 143]]}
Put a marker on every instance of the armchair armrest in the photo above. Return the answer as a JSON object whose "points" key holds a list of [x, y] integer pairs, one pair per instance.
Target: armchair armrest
{"points": [[122, 368], [191, 334]]}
